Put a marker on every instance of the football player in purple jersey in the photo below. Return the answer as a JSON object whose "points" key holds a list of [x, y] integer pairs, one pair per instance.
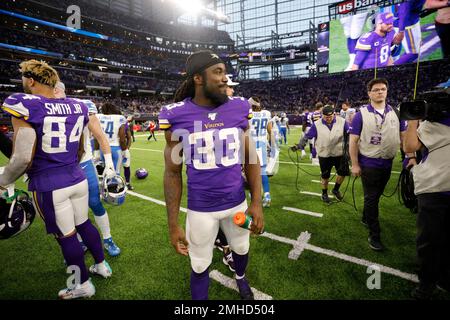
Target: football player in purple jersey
{"points": [[47, 146], [442, 23], [211, 130], [373, 49], [409, 31]]}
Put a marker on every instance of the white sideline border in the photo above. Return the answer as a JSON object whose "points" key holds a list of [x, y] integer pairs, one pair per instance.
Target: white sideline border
{"points": [[309, 213], [231, 284], [306, 246]]}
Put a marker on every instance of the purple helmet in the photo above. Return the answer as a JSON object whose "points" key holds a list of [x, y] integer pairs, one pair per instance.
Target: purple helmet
{"points": [[16, 216], [141, 173]]}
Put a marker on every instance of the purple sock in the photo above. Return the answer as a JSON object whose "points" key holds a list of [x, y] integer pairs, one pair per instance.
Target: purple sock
{"points": [[126, 171], [406, 58], [199, 285], [351, 44], [74, 255], [240, 263], [91, 239], [313, 152]]}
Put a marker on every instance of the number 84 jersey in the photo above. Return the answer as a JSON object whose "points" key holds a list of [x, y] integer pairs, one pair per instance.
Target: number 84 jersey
{"points": [[59, 124], [212, 142]]}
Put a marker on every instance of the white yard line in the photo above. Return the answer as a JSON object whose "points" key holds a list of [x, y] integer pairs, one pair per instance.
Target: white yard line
{"points": [[318, 181], [309, 213], [231, 284], [301, 243], [341, 256], [314, 194], [151, 199], [151, 150]]}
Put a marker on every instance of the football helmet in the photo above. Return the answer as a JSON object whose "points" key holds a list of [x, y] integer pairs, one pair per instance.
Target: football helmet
{"points": [[100, 167], [114, 190], [16, 215], [141, 173]]}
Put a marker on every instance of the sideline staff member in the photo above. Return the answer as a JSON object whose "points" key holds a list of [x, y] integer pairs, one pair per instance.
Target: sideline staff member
{"points": [[374, 142], [328, 133], [432, 187]]}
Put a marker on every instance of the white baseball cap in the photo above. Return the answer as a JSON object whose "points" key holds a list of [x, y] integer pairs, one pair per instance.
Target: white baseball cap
{"points": [[230, 82]]}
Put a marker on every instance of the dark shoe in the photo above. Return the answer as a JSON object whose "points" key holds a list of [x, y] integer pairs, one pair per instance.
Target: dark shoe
{"points": [[325, 198], [443, 286], [244, 289], [228, 260], [423, 291], [129, 186], [375, 244], [337, 194], [364, 222]]}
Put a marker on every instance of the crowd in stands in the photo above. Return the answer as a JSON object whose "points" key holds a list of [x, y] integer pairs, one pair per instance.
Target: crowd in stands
{"points": [[102, 20], [91, 50], [294, 95]]}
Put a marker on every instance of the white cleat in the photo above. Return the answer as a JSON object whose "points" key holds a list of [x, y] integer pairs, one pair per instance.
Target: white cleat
{"points": [[85, 290], [102, 269], [303, 154]]}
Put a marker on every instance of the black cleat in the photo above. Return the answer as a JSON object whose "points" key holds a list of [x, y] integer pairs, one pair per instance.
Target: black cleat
{"points": [[325, 198], [244, 289], [337, 194], [364, 222], [423, 292], [375, 244], [228, 260], [129, 186]]}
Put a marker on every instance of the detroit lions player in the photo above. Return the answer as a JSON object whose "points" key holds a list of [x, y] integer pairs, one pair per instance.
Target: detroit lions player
{"points": [[210, 130], [86, 163], [126, 157], [284, 127], [260, 127], [113, 125], [47, 135]]}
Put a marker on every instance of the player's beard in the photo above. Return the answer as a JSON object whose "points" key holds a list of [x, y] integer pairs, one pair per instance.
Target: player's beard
{"points": [[216, 98]]}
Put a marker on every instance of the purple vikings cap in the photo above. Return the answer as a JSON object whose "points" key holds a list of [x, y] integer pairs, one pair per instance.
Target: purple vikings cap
{"points": [[385, 17]]}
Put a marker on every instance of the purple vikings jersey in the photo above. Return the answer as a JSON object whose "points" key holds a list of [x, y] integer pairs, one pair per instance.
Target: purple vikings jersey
{"points": [[59, 124], [212, 143], [377, 47], [408, 13]]}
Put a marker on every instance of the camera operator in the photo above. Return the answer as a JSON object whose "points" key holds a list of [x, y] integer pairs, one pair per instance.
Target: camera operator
{"points": [[432, 187], [374, 142], [328, 133]]}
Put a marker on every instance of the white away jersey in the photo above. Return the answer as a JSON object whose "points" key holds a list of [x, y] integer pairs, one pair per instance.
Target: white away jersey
{"points": [[111, 124], [258, 127]]}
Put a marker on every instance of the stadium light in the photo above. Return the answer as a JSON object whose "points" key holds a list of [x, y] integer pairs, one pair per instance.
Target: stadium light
{"points": [[196, 7]]}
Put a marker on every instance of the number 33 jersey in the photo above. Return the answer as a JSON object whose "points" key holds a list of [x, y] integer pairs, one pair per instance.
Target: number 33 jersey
{"points": [[213, 144], [59, 124]]}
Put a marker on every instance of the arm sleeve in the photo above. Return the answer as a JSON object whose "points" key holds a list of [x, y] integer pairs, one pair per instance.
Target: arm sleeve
{"points": [[312, 133], [164, 119], [356, 126], [360, 57]]}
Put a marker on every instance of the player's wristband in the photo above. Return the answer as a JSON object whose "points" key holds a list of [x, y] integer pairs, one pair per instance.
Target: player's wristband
{"points": [[108, 161]]}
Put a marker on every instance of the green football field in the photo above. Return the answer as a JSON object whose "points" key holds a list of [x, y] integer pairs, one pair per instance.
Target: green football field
{"points": [[332, 265]]}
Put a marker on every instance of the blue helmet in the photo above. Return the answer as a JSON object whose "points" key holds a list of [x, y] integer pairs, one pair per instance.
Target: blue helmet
{"points": [[114, 190], [16, 215], [141, 173]]}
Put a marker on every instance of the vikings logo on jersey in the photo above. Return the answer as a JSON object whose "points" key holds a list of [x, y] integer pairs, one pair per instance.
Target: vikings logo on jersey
{"points": [[212, 140]]}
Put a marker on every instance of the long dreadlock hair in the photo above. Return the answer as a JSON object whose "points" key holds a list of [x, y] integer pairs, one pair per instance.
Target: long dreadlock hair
{"points": [[187, 89]]}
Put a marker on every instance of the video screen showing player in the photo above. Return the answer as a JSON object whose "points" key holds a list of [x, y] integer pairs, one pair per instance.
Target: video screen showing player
{"points": [[386, 40]]}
